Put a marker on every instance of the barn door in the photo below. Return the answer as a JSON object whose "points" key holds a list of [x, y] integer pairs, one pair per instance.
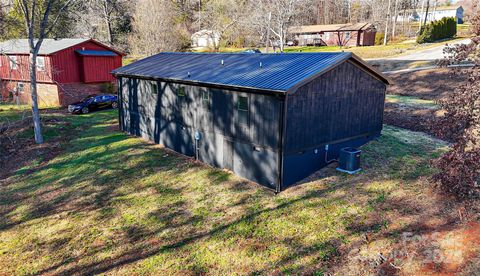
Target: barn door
{"points": [[228, 154]]}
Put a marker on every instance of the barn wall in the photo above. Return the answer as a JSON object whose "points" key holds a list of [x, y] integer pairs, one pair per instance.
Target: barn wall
{"points": [[22, 73], [343, 107], [250, 150], [68, 65]]}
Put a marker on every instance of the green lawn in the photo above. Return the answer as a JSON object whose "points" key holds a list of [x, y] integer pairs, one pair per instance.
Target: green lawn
{"points": [[13, 112], [114, 203], [378, 51], [411, 101]]}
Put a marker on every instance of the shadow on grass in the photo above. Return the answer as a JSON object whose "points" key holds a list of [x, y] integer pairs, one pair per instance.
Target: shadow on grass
{"points": [[156, 202]]}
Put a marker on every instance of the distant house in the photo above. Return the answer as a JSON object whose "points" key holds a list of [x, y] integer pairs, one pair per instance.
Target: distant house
{"points": [[360, 34], [67, 70], [205, 38], [271, 118], [433, 14]]}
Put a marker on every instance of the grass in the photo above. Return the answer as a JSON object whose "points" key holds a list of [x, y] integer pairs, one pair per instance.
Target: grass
{"points": [[411, 101], [13, 112], [114, 203], [373, 52]]}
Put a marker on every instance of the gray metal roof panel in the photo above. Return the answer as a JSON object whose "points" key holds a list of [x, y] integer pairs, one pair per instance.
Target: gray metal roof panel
{"points": [[49, 46], [278, 72]]}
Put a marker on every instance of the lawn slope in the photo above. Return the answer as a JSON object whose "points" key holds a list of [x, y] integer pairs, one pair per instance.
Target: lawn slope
{"points": [[114, 203]]}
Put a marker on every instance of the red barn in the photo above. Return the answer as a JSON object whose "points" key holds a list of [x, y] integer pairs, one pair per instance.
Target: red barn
{"points": [[67, 70]]}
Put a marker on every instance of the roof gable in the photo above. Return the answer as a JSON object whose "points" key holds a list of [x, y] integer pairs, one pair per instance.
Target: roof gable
{"points": [[272, 72], [49, 46]]}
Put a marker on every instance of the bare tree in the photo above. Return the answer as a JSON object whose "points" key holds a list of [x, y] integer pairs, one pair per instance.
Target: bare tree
{"points": [[156, 28], [39, 21], [280, 15], [385, 38], [219, 17]]}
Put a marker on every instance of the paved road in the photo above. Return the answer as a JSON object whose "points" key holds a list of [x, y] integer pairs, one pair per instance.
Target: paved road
{"points": [[428, 54]]}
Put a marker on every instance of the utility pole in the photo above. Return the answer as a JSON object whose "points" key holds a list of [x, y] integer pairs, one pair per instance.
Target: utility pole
{"points": [[267, 39], [385, 37]]}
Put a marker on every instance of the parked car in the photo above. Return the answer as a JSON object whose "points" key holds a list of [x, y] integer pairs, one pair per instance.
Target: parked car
{"points": [[94, 102], [252, 51]]}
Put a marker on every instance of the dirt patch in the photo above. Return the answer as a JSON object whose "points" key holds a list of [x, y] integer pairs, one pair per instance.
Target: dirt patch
{"points": [[18, 148], [432, 84], [416, 119]]}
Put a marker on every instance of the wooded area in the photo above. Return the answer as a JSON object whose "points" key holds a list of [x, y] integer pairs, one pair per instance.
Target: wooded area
{"points": [[145, 27]]}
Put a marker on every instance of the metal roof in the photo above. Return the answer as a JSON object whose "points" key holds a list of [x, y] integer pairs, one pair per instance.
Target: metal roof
{"points": [[96, 53], [274, 72], [49, 46]]}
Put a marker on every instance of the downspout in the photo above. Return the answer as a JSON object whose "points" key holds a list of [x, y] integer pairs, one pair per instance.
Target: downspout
{"points": [[283, 126]]}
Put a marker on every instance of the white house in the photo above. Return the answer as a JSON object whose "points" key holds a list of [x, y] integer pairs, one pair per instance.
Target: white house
{"points": [[205, 38], [434, 13]]}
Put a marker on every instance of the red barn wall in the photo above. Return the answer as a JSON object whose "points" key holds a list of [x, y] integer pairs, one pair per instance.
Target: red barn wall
{"points": [[22, 72], [98, 68], [68, 65]]}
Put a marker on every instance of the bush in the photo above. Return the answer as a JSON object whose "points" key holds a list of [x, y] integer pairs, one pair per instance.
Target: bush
{"points": [[107, 88], [379, 37], [436, 30]]}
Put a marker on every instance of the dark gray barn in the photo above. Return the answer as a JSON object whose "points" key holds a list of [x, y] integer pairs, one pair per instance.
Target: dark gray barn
{"points": [[271, 118]]}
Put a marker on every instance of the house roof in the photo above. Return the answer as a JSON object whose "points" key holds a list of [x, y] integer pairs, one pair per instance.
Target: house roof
{"points": [[49, 46], [331, 28], [267, 72]]}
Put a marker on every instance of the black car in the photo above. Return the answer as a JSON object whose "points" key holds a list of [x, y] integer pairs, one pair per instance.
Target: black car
{"points": [[252, 51], [94, 102]]}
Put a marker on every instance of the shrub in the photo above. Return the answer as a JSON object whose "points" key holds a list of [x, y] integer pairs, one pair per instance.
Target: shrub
{"points": [[459, 169], [379, 37], [107, 88], [436, 30]]}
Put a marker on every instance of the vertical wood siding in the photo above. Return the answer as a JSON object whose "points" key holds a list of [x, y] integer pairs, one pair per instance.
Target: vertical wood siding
{"points": [[343, 108], [68, 65], [250, 150], [99, 68], [22, 72], [343, 103]]}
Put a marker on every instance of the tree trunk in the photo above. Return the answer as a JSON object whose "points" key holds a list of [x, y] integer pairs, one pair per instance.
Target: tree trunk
{"points": [[385, 37], [106, 16], [394, 26], [37, 125], [426, 13], [268, 32], [420, 19]]}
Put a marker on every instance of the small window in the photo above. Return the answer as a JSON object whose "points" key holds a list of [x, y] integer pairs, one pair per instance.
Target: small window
{"points": [[181, 92], [41, 63], [347, 35], [242, 107], [206, 99], [13, 63], [21, 87], [154, 87]]}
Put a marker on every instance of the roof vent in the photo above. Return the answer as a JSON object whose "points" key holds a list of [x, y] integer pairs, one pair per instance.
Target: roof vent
{"points": [[188, 73], [261, 65], [223, 63]]}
